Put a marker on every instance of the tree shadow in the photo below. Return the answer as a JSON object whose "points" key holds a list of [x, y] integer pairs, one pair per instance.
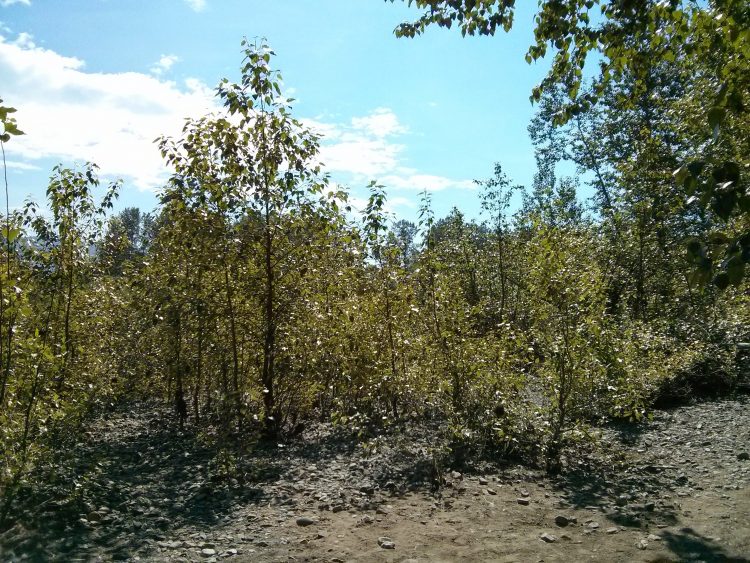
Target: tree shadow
{"points": [[688, 545], [124, 488]]}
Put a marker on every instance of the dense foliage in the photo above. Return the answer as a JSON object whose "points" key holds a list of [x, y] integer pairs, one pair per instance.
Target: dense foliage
{"points": [[254, 301]]}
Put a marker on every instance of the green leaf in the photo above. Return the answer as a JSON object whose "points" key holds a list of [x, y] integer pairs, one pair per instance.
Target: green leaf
{"points": [[721, 280], [11, 234], [716, 118], [735, 269]]}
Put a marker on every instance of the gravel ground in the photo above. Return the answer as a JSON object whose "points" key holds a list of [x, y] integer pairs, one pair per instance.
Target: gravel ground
{"points": [[134, 488]]}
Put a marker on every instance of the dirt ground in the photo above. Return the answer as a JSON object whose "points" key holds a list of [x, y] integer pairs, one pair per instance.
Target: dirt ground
{"points": [[133, 488]]}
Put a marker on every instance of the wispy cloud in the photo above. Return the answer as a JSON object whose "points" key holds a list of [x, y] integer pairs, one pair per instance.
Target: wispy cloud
{"points": [[196, 5], [6, 3], [164, 64], [382, 122], [69, 114], [111, 119], [370, 147], [428, 182]]}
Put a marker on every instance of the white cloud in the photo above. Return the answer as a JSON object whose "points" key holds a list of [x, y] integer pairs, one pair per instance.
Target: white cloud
{"points": [[381, 123], [164, 64], [71, 115], [5, 3], [366, 148], [362, 146], [428, 182], [197, 5], [14, 165], [361, 155], [111, 119]]}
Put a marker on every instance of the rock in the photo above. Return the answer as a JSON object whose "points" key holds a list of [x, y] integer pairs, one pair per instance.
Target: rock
{"points": [[593, 525], [561, 521], [386, 543], [523, 501], [743, 456], [548, 538], [483, 481], [613, 530], [305, 521], [491, 491], [208, 552], [643, 544], [94, 516], [456, 475], [653, 537]]}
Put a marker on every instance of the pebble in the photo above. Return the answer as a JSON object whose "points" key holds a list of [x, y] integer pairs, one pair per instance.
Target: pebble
{"points": [[386, 542], [562, 521], [523, 501], [305, 521], [548, 538], [208, 552]]}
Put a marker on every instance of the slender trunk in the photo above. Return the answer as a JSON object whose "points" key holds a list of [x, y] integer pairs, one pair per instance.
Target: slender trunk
{"points": [[9, 335], [198, 368], [235, 353], [269, 345], [391, 344]]}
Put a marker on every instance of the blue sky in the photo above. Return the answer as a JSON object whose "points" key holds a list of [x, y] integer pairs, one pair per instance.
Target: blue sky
{"points": [[98, 80]]}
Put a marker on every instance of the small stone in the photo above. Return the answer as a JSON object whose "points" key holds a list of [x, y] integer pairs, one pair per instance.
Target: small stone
{"points": [[94, 516], [208, 552], [523, 501], [653, 537], [548, 538], [562, 521], [386, 543], [593, 525], [613, 530], [305, 521], [491, 492], [643, 544], [743, 456], [483, 481]]}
